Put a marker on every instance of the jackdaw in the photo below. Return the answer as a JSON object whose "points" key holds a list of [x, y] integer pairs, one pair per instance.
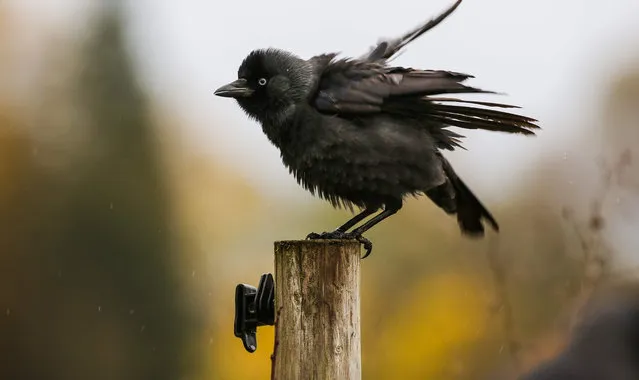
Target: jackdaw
{"points": [[361, 132]]}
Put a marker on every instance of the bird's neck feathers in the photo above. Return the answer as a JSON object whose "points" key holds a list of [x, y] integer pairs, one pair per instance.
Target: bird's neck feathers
{"points": [[277, 125]]}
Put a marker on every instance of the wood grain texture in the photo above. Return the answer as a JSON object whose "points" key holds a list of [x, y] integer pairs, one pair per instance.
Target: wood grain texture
{"points": [[318, 310]]}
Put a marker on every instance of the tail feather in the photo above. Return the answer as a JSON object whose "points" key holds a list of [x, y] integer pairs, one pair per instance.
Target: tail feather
{"points": [[454, 197], [471, 212]]}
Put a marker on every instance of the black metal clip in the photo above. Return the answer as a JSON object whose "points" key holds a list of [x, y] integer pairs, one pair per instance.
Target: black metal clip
{"points": [[253, 308]]}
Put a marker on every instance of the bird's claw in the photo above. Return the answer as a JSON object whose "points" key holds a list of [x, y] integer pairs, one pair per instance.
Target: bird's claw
{"points": [[368, 246]]}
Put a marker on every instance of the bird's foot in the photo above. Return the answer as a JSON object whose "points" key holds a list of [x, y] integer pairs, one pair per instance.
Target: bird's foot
{"points": [[337, 234], [333, 235]]}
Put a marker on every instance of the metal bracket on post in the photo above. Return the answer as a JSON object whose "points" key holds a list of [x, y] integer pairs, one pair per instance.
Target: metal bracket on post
{"points": [[253, 308]]}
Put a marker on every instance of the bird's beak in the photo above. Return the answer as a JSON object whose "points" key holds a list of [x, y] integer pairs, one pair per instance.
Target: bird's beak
{"points": [[236, 89]]}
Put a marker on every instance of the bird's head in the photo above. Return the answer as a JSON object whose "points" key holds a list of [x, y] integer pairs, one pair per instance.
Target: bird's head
{"points": [[269, 82]]}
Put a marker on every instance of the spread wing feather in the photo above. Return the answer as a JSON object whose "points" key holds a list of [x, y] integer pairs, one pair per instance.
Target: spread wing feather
{"points": [[351, 88], [387, 48]]}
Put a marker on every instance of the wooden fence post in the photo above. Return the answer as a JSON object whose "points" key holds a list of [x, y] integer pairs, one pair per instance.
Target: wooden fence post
{"points": [[317, 310]]}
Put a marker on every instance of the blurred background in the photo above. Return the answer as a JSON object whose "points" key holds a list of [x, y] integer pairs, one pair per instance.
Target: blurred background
{"points": [[132, 200]]}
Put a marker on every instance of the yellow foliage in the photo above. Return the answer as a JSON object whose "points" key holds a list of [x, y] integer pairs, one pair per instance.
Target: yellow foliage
{"points": [[231, 361], [441, 316]]}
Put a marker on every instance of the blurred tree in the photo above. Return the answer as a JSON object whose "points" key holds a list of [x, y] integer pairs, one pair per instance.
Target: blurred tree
{"points": [[620, 137], [19, 285], [90, 250], [621, 115], [119, 226]]}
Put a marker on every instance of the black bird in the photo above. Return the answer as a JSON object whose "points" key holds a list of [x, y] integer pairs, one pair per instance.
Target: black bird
{"points": [[361, 132]]}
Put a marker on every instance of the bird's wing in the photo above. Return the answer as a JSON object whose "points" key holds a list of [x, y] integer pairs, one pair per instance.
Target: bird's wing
{"points": [[386, 48], [351, 88]]}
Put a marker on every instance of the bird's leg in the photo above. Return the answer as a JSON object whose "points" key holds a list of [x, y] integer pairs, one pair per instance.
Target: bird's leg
{"points": [[340, 231], [389, 209], [356, 219]]}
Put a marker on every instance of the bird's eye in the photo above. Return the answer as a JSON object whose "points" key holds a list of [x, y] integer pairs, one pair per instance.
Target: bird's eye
{"points": [[261, 81]]}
